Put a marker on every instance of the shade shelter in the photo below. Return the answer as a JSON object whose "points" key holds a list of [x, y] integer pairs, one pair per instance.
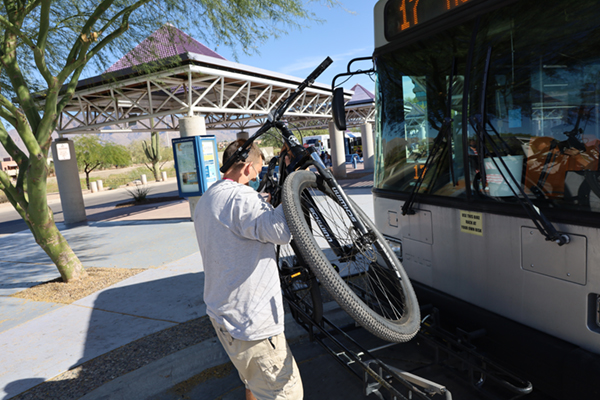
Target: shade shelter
{"points": [[191, 80], [172, 83]]}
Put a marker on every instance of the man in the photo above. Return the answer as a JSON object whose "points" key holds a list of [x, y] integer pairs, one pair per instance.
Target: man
{"points": [[236, 231]]}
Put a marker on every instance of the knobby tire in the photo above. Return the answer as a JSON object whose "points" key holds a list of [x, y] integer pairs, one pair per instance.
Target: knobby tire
{"points": [[367, 281]]}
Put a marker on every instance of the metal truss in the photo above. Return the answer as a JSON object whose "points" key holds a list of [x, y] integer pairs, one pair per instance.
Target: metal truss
{"points": [[228, 99], [358, 115], [355, 116]]}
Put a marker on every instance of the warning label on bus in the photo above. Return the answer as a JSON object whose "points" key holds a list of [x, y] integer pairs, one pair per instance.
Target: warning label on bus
{"points": [[471, 222]]}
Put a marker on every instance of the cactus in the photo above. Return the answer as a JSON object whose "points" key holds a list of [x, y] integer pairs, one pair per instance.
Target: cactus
{"points": [[152, 152]]}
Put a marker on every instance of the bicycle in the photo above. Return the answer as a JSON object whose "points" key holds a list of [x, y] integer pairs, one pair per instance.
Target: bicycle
{"points": [[334, 243]]}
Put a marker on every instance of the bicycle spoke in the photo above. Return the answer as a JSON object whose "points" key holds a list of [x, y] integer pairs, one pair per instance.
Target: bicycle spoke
{"points": [[377, 290]]}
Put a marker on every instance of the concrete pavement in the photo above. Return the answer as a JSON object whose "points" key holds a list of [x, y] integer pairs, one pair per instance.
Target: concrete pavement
{"points": [[41, 340]]}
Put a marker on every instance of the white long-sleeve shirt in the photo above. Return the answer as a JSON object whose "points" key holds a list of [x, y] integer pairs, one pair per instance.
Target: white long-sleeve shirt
{"points": [[236, 231]]}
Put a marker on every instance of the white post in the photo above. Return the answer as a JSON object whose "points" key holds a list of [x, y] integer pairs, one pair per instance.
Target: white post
{"points": [[192, 126], [338, 156], [368, 148], [164, 176], [100, 185], [67, 177], [93, 187], [242, 135], [144, 180]]}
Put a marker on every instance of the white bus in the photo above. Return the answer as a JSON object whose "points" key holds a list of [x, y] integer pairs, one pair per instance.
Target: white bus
{"points": [[320, 142], [487, 175]]}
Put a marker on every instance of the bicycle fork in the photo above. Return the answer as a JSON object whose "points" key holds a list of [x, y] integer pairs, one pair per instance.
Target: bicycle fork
{"points": [[344, 253], [364, 236]]}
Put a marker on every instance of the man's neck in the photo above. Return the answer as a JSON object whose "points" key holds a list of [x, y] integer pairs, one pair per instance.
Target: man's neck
{"points": [[236, 177]]}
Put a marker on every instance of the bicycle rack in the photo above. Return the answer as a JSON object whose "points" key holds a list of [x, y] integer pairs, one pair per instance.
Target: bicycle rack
{"points": [[461, 358], [375, 374]]}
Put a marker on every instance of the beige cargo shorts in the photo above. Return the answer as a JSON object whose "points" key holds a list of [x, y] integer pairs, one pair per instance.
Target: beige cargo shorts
{"points": [[267, 367]]}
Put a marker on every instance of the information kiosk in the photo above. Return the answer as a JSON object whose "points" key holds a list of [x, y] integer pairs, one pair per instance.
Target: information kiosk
{"points": [[196, 164]]}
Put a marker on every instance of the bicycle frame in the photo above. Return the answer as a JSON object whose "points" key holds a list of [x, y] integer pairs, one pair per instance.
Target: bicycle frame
{"points": [[301, 158]]}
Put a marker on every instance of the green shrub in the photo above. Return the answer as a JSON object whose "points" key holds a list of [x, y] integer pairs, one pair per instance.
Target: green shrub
{"points": [[139, 194]]}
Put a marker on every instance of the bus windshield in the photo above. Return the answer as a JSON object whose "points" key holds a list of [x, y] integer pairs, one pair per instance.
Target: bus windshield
{"points": [[520, 84]]}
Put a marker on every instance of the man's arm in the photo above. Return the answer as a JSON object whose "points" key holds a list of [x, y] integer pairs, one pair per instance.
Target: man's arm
{"points": [[258, 220]]}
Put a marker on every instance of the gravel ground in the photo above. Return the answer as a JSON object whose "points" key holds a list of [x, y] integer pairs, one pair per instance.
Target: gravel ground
{"points": [[84, 378], [92, 374], [57, 291]]}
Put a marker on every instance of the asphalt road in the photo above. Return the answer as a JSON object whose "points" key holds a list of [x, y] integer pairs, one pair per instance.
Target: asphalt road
{"points": [[11, 222]]}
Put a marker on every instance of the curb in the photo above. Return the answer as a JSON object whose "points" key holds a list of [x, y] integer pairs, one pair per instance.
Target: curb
{"points": [[175, 368]]}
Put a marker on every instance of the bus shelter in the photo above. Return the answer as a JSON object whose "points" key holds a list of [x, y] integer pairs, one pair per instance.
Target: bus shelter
{"points": [[193, 92]]}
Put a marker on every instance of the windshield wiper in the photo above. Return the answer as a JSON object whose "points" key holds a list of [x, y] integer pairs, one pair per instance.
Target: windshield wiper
{"points": [[444, 137], [535, 214]]}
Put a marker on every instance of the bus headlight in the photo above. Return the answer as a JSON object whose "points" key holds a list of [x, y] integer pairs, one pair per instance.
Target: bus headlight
{"points": [[396, 246]]}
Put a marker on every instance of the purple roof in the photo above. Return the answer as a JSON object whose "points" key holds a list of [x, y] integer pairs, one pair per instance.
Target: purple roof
{"points": [[361, 95], [167, 41]]}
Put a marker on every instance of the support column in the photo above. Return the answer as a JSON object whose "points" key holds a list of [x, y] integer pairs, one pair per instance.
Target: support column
{"points": [[368, 147], [338, 155], [67, 177], [192, 126]]}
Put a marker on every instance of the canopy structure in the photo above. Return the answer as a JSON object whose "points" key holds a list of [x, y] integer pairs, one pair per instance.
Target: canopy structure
{"points": [[229, 95], [361, 107]]}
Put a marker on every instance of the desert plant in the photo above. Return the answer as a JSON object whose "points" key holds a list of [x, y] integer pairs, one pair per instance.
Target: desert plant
{"points": [[139, 194], [47, 45], [152, 152], [92, 153]]}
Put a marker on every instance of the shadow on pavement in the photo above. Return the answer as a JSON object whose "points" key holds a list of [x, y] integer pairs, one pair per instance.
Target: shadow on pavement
{"points": [[121, 212], [124, 328]]}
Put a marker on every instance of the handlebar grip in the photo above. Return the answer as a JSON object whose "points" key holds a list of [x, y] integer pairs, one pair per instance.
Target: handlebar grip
{"points": [[319, 70], [242, 153]]}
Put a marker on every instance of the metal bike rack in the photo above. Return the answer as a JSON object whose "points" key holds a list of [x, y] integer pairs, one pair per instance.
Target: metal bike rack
{"points": [[375, 374], [457, 354], [454, 353]]}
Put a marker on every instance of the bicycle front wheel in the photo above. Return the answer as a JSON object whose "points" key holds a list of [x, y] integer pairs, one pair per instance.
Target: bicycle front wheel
{"points": [[360, 271]]}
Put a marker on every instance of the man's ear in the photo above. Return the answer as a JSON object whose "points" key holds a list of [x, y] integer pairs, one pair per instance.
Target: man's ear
{"points": [[247, 168]]}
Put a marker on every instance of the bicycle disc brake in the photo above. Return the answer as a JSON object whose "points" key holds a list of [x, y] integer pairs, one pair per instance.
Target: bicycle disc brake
{"points": [[363, 244]]}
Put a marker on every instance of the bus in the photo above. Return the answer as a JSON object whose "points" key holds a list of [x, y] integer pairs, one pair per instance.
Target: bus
{"points": [[352, 143], [487, 178], [320, 142]]}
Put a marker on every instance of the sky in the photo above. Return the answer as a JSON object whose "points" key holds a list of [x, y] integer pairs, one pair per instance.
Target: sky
{"points": [[346, 32], [344, 35]]}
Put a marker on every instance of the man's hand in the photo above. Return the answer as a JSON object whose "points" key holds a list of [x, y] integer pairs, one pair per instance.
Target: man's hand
{"points": [[266, 197]]}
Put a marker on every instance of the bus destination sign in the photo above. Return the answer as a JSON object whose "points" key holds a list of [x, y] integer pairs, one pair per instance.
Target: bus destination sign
{"points": [[401, 15]]}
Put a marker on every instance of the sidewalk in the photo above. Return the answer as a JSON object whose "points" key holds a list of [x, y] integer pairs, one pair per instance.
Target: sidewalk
{"points": [[158, 313]]}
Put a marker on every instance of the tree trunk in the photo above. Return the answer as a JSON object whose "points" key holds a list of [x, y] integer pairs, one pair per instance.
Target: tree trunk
{"points": [[55, 245], [41, 223], [87, 178]]}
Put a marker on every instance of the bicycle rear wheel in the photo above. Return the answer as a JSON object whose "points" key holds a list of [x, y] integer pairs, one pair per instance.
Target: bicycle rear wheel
{"points": [[360, 271]]}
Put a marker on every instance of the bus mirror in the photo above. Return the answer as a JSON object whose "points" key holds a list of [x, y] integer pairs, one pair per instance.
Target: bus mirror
{"points": [[338, 109]]}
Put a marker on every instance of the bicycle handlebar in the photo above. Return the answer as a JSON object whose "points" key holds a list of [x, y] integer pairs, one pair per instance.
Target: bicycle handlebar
{"points": [[242, 152]]}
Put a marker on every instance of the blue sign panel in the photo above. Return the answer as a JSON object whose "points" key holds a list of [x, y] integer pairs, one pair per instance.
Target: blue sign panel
{"points": [[196, 163]]}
